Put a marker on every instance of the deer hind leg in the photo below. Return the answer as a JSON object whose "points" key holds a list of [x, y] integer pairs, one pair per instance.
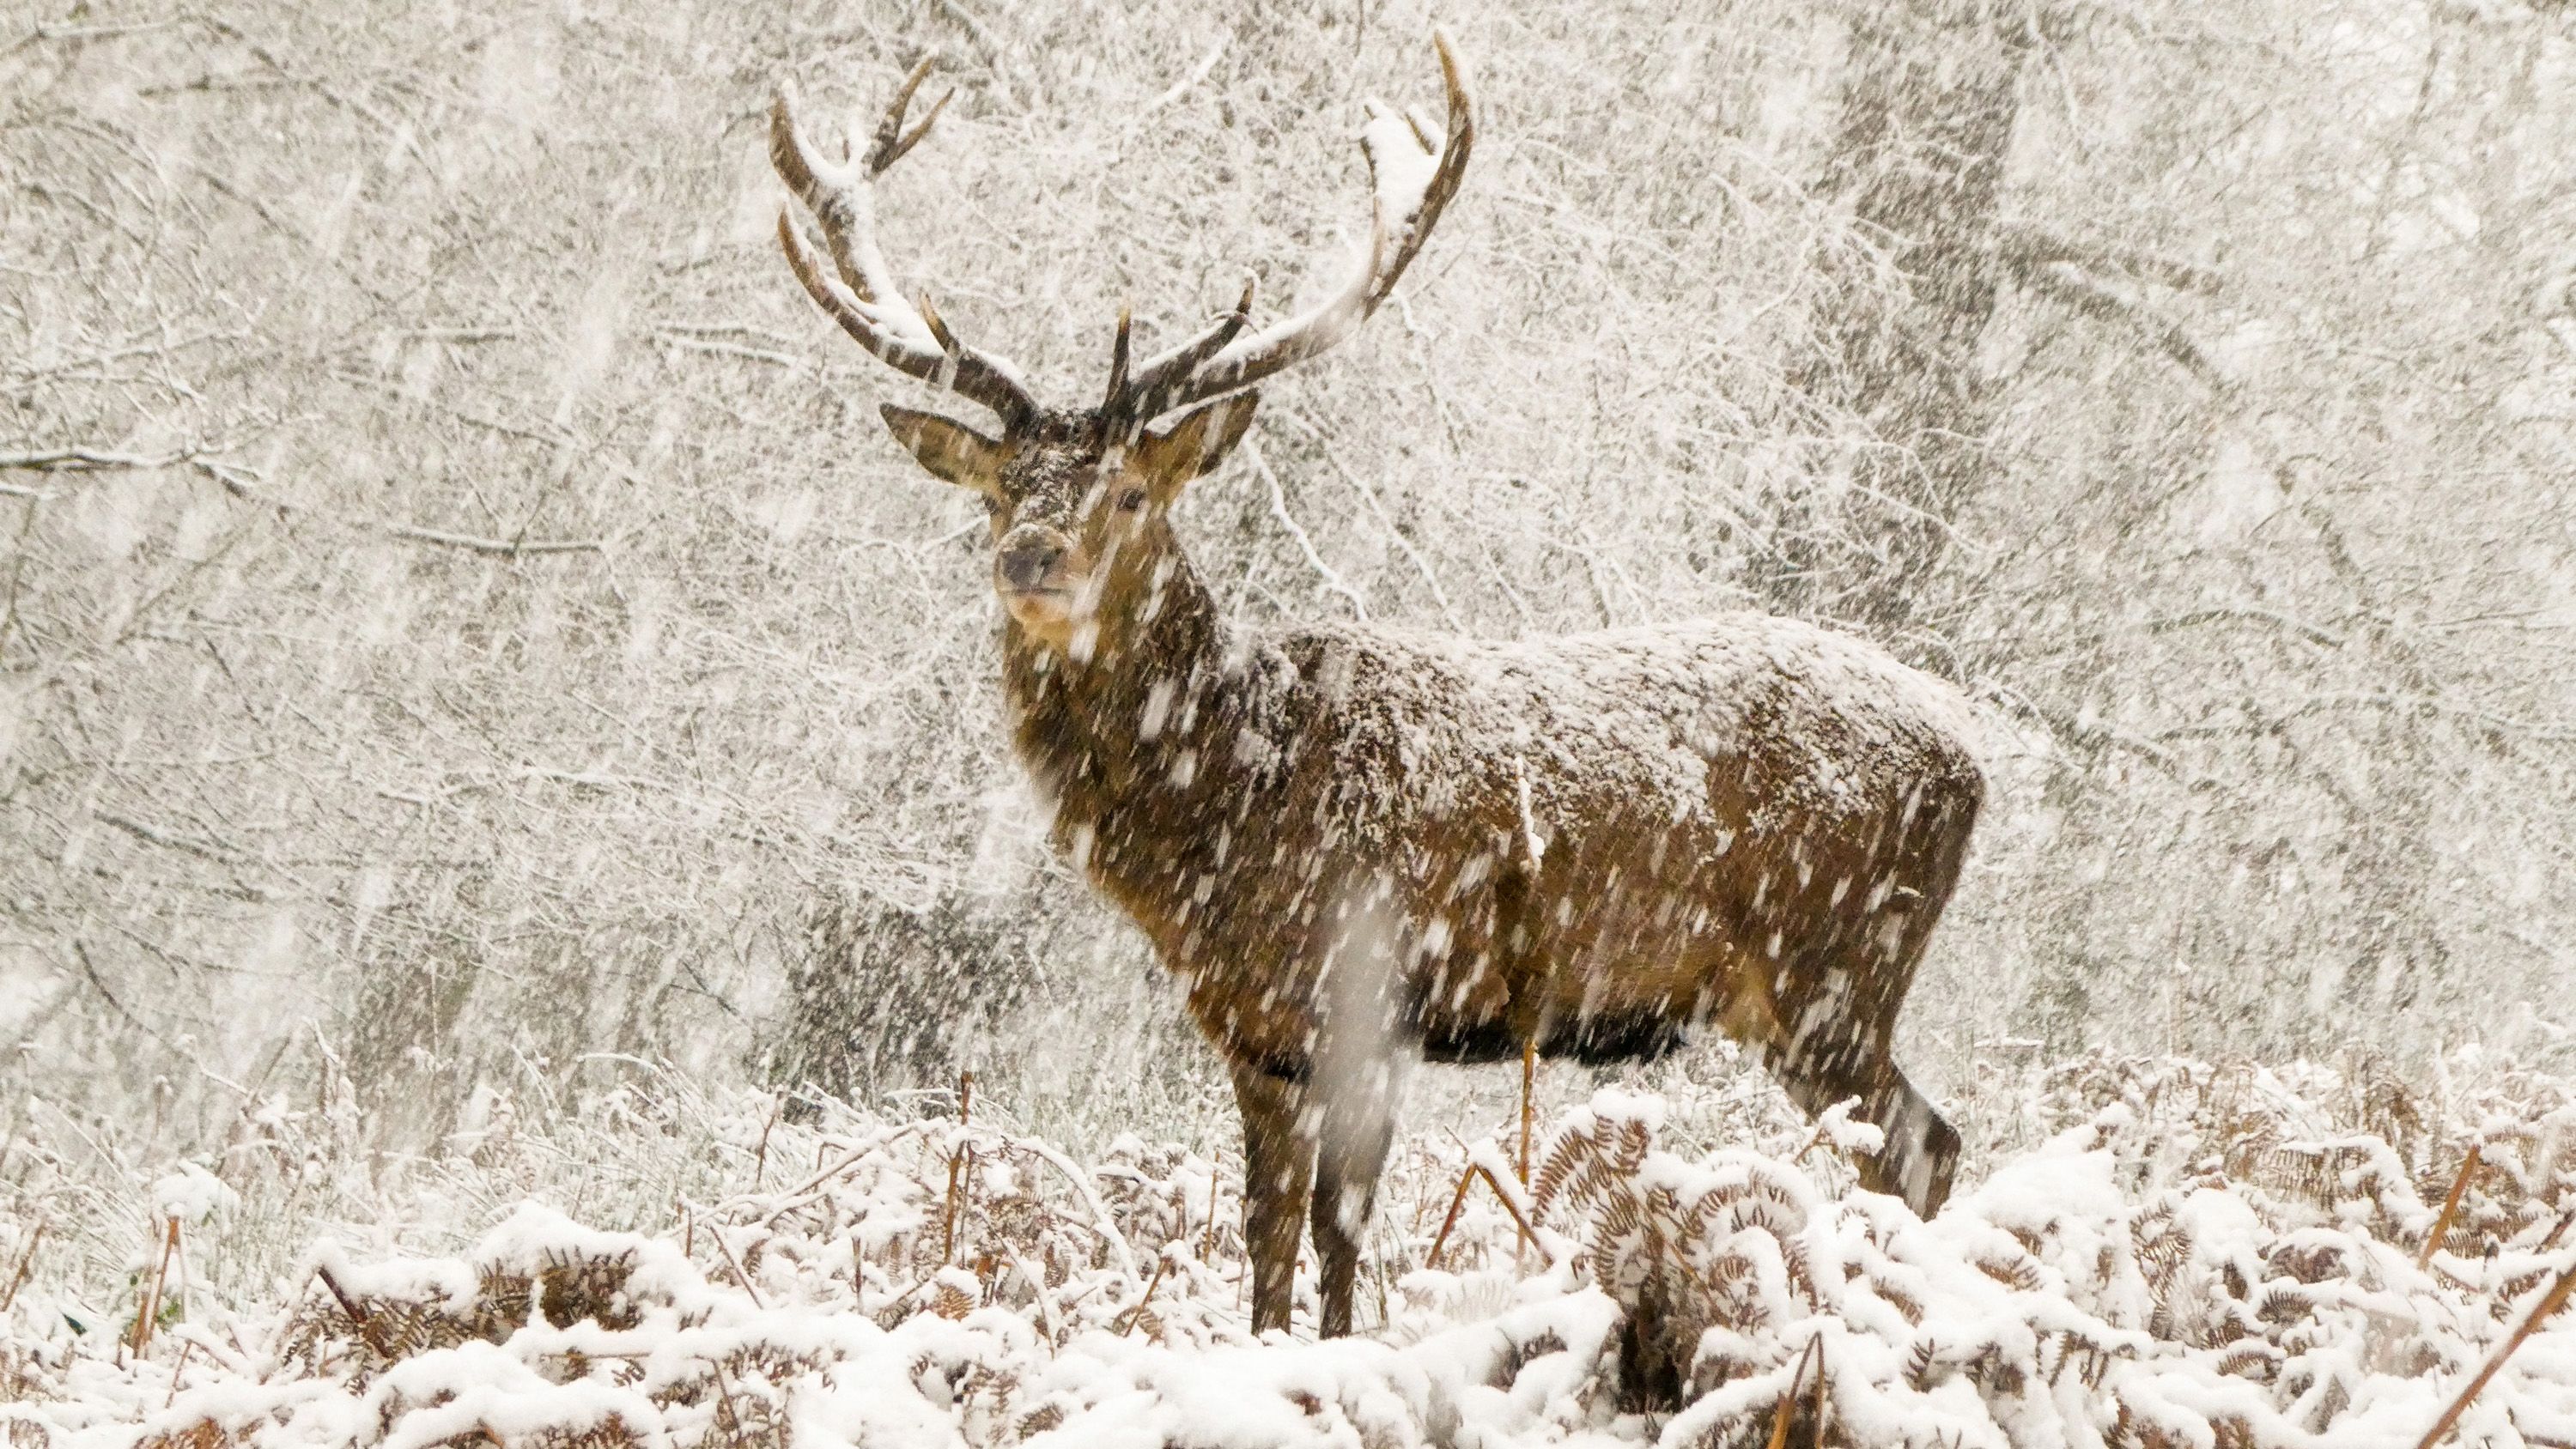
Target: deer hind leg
{"points": [[1834, 1039], [1921, 1152], [1278, 1162], [1354, 1124]]}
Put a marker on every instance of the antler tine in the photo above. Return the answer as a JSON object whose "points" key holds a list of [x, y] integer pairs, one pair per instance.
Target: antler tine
{"points": [[1109, 404], [949, 346], [892, 140], [1145, 396], [1221, 366], [1446, 177], [863, 298]]}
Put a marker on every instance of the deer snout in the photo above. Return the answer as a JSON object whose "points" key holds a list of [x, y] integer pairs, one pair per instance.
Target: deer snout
{"points": [[1028, 559]]}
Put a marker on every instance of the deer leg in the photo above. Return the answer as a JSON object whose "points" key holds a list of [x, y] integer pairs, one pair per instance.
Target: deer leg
{"points": [[1278, 1161], [1921, 1152], [1355, 1125]]}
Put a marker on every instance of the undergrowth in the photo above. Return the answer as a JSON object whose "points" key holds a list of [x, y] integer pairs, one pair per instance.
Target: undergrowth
{"points": [[2195, 1254]]}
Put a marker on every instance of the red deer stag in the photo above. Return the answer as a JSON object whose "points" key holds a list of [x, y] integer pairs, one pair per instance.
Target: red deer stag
{"points": [[1357, 845]]}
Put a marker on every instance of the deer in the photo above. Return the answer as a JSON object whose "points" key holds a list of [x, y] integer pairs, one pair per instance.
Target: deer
{"points": [[1355, 846]]}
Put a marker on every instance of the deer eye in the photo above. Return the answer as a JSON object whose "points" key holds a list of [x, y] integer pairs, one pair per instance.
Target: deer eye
{"points": [[1131, 500]]}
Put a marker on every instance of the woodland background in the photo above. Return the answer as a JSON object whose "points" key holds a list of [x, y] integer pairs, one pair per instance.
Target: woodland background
{"points": [[461, 621]]}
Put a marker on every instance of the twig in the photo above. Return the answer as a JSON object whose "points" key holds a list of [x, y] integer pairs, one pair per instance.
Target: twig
{"points": [[244, 485], [84, 459], [2550, 1302], [735, 1264], [1182, 86], [2078, 289], [1476, 1170], [497, 547], [1036, 1279], [1207, 1242], [2027, 245], [799, 1195], [1817, 1441], [88, 459], [1529, 1080], [984, 41], [1316, 435], [366, 1322], [177, 1369], [1457, 1200], [1305, 543], [1504, 1196], [2450, 1205], [201, 849], [957, 1161], [727, 349], [1127, 1320], [726, 1394], [26, 1266], [760, 1159], [89, 970]]}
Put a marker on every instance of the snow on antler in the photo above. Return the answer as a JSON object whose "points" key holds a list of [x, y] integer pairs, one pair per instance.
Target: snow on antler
{"points": [[1411, 180], [863, 297]]}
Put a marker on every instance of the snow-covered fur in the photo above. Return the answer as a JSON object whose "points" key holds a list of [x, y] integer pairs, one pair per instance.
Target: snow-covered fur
{"points": [[1355, 845]]}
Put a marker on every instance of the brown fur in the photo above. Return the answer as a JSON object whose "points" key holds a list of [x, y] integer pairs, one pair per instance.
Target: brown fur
{"points": [[1330, 842], [1355, 845]]}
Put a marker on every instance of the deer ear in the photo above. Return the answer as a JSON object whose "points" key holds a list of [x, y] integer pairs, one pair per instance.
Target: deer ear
{"points": [[1194, 446], [950, 450]]}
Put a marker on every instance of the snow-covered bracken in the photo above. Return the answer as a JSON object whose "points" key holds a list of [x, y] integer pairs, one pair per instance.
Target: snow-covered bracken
{"points": [[2174, 1265]]}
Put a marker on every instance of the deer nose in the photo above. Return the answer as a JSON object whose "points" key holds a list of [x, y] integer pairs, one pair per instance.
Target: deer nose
{"points": [[1027, 557]]}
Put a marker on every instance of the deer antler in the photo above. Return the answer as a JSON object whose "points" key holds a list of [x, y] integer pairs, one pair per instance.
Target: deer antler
{"points": [[862, 297], [1410, 184]]}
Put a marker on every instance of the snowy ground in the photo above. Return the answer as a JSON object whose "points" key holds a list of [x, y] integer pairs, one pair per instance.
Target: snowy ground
{"points": [[2194, 1255]]}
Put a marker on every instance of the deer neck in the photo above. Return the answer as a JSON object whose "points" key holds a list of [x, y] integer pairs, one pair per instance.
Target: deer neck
{"points": [[1120, 742]]}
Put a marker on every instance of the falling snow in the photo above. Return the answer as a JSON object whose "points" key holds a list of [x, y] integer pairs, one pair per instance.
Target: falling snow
{"points": [[511, 802]]}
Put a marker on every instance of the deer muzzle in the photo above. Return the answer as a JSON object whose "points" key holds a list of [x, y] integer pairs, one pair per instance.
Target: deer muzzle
{"points": [[1026, 569], [1036, 572]]}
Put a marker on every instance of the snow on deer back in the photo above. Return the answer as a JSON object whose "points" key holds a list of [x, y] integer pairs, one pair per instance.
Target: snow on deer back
{"points": [[1593, 840]]}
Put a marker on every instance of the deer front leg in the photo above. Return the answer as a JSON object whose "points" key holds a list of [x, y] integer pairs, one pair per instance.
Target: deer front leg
{"points": [[1355, 1122], [1278, 1161]]}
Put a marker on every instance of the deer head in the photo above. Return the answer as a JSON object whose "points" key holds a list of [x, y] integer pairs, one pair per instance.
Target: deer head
{"points": [[1079, 497]]}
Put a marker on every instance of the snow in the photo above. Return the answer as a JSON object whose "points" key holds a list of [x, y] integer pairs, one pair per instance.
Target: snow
{"points": [[191, 1194], [2153, 1273], [1603, 721], [1400, 168]]}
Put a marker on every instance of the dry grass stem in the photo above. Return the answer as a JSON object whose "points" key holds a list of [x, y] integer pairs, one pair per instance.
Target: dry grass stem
{"points": [[1458, 1199], [2550, 1302], [1529, 1104], [26, 1265], [147, 1307], [2450, 1205], [1787, 1411], [1127, 1321]]}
